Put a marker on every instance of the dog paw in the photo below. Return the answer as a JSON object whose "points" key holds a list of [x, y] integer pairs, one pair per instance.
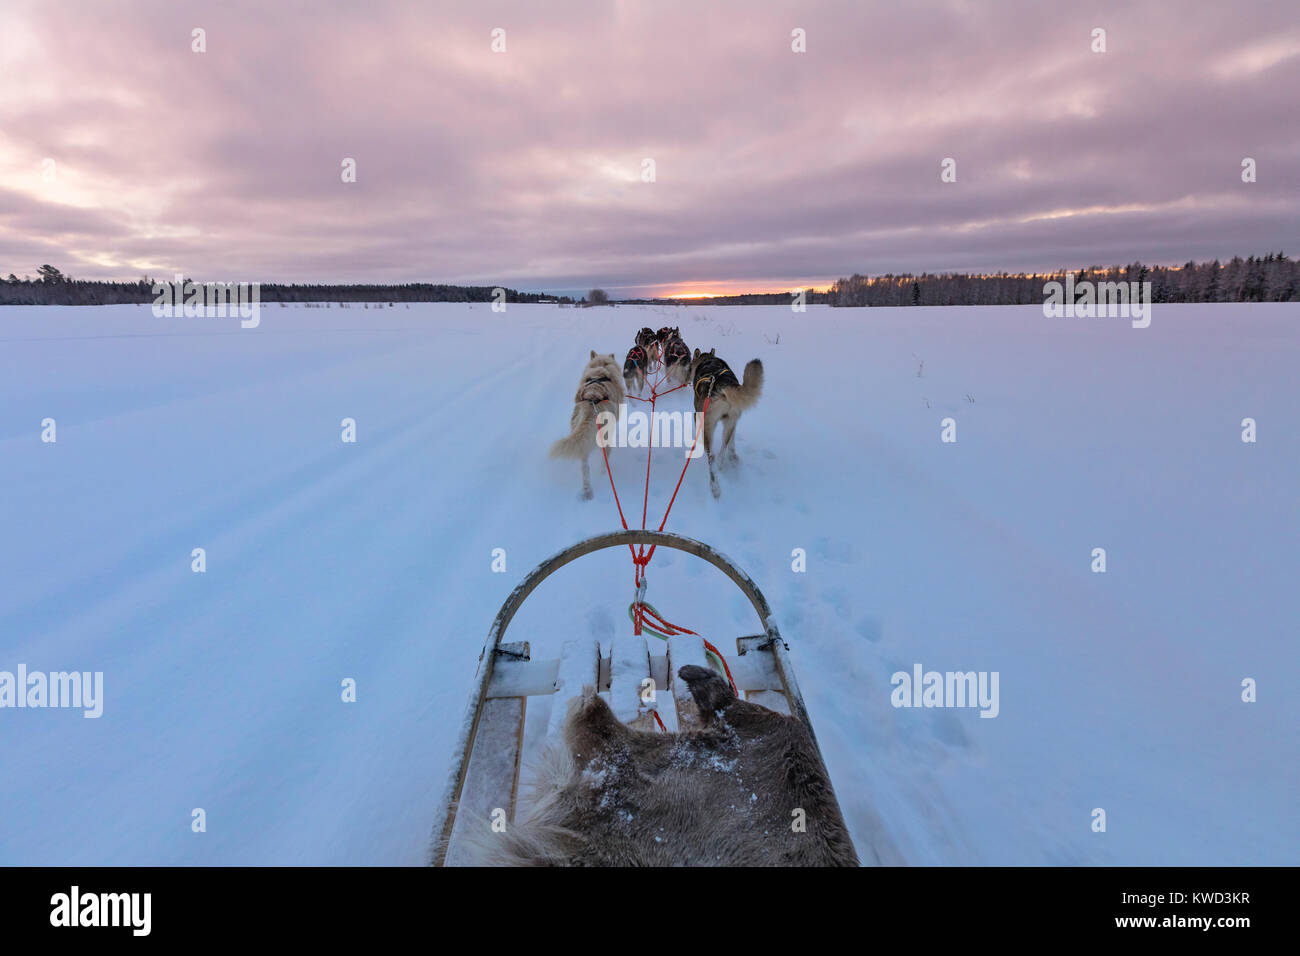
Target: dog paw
{"points": [[586, 494], [713, 487]]}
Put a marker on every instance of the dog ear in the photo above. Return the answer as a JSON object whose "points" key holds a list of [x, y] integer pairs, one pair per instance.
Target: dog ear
{"points": [[696, 355], [593, 353], [714, 351], [611, 355]]}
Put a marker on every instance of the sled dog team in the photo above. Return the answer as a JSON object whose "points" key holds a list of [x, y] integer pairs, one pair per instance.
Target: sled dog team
{"points": [[603, 389], [608, 794]]}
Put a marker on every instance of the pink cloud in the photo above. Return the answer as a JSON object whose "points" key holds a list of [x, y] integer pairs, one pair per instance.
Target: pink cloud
{"points": [[524, 167]]}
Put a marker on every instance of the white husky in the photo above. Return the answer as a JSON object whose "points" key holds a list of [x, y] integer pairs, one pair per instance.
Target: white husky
{"points": [[599, 390]]}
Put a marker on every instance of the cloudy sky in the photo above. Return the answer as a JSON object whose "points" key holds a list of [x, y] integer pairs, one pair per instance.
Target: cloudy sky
{"points": [[124, 152]]}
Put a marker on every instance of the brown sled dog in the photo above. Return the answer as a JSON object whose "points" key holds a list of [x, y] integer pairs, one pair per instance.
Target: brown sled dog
{"points": [[648, 340], [662, 337], [676, 358], [599, 390], [724, 795], [715, 384], [634, 367]]}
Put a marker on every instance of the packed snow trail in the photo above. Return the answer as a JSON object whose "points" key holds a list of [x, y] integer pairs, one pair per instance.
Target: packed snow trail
{"points": [[372, 561]]}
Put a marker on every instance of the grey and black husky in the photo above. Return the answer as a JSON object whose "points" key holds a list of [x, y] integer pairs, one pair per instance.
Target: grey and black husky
{"points": [[648, 340], [717, 388]]}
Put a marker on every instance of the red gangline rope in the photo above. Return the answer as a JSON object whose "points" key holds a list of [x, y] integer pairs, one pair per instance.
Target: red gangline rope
{"points": [[641, 558], [673, 629]]}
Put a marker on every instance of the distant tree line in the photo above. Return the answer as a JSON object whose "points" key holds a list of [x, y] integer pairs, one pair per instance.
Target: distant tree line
{"points": [[52, 287], [1269, 278]]}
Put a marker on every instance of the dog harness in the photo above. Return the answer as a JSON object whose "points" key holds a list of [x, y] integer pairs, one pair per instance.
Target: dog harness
{"points": [[676, 351], [712, 373], [636, 358], [597, 402]]}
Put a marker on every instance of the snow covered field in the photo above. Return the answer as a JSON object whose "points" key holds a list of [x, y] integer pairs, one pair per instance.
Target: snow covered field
{"points": [[328, 560]]}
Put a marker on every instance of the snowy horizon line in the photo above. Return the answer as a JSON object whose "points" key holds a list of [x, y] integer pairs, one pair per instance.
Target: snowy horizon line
{"points": [[641, 291]]}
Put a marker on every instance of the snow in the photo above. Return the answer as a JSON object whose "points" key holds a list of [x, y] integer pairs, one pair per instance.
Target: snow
{"points": [[373, 561]]}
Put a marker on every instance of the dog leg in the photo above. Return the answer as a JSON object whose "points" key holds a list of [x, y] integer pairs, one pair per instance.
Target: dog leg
{"points": [[729, 456], [708, 452], [586, 480]]}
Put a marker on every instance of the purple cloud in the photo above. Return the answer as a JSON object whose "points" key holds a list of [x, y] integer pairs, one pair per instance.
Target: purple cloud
{"points": [[524, 168]]}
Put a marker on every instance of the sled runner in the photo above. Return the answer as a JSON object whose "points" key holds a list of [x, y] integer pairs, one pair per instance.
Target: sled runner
{"points": [[484, 777]]}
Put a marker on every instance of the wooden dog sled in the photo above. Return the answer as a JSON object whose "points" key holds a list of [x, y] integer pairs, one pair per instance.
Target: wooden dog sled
{"points": [[485, 771]]}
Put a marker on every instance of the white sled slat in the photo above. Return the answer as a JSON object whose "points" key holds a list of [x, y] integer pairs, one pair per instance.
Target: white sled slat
{"points": [[755, 666], [771, 699], [578, 666], [513, 678], [491, 779], [629, 669]]}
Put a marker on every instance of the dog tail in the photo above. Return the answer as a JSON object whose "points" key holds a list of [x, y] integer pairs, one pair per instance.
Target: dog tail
{"points": [[581, 435], [745, 394]]}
